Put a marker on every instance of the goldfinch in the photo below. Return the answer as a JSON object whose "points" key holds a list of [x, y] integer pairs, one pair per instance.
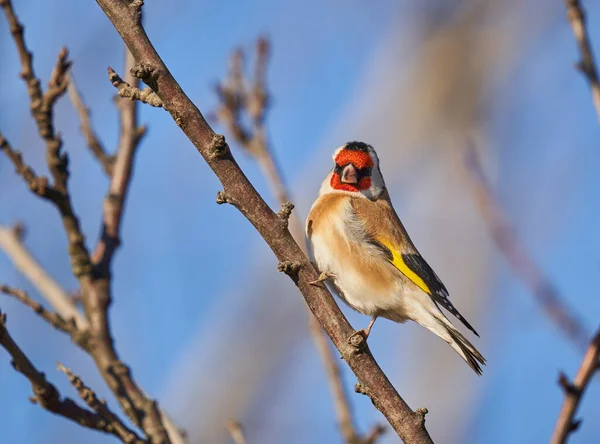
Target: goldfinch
{"points": [[365, 255]]}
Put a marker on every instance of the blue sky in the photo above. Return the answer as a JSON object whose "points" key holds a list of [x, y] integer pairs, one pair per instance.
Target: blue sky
{"points": [[182, 254]]}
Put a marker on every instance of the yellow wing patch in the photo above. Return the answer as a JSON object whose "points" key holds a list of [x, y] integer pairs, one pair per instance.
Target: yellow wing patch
{"points": [[399, 263]]}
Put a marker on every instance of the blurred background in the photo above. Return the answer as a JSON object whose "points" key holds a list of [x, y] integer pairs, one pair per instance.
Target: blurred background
{"points": [[201, 314]]}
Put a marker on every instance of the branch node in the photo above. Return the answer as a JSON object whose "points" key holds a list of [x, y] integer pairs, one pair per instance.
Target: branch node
{"points": [[125, 90], [358, 388], [290, 268], [143, 71], [218, 147], [421, 412], [222, 197], [357, 341], [285, 212], [567, 385]]}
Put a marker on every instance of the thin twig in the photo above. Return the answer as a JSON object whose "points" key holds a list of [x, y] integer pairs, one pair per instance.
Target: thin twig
{"points": [[237, 432], [587, 64], [574, 391], [131, 134], [237, 99], [99, 406], [46, 394], [504, 235], [409, 425], [127, 91], [13, 246], [54, 319], [91, 138]]}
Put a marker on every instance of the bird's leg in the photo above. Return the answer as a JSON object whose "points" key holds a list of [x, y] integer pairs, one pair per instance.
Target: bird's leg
{"points": [[361, 335], [322, 277], [367, 330]]}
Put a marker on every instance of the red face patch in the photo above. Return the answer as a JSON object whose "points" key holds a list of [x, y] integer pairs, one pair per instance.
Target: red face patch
{"points": [[359, 159], [337, 184]]}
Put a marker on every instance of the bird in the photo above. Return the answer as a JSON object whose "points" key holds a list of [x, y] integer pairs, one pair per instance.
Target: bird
{"points": [[364, 254]]}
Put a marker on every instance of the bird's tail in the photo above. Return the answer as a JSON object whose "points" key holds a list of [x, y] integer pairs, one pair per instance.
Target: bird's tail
{"points": [[445, 330], [464, 348]]}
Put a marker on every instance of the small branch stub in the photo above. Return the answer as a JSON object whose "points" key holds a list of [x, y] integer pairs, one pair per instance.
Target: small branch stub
{"points": [[285, 212], [218, 147], [222, 198], [127, 91], [147, 73], [290, 268]]}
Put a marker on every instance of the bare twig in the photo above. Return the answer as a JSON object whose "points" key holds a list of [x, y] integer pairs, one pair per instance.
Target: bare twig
{"points": [[574, 392], [46, 394], [91, 138], [408, 424], [127, 91], [37, 185], [237, 432], [12, 245], [237, 99], [503, 234], [130, 136], [91, 399], [56, 320], [587, 65]]}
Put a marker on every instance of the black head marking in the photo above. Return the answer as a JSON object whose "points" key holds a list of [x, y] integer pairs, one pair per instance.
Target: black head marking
{"points": [[357, 146]]}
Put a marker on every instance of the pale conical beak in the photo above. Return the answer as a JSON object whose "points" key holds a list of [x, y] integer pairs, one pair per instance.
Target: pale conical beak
{"points": [[349, 174]]}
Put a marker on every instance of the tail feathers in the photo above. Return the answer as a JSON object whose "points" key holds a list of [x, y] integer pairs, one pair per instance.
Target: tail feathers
{"points": [[465, 349]]}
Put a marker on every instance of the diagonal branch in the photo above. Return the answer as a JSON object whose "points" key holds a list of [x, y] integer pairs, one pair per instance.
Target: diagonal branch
{"points": [[47, 396], [237, 432], [239, 191], [97, 405], [566, 422], [237, 100], [587, 65], [81, 337], [503, 234], [12, 244]]}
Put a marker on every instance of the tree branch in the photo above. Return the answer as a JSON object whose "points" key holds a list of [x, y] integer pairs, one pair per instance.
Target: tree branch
{"points": [[587, 65], [91, 399], [152, 70], [237, 432], [91, 138], [47, 396], [80, 337], [574, 392], [12, 244], [127, 91], [503, 234], [239, 100]]}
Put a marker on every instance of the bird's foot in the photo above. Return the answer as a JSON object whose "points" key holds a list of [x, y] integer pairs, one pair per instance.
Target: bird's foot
{"points": [[323, 277]]}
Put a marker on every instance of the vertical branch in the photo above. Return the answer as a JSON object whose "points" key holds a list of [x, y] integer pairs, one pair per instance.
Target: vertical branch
{"points": [[587, 64], [574, 392], [130, 136]]}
